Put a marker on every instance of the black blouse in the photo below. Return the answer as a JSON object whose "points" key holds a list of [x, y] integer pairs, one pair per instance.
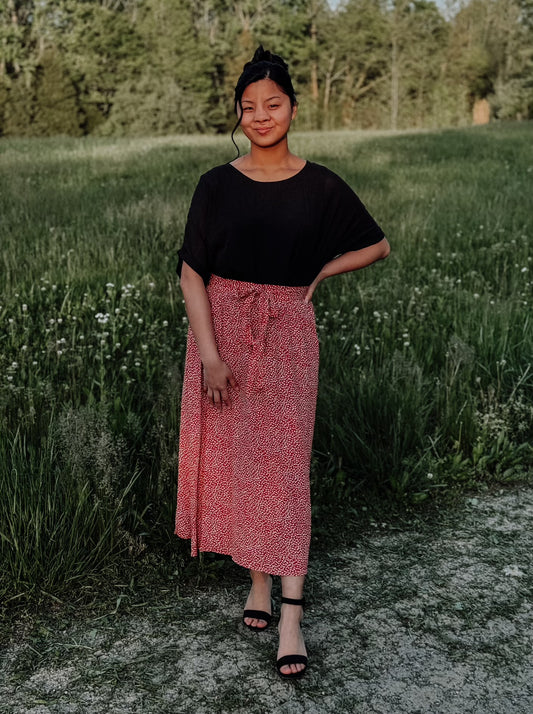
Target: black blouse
{"points": [[276, 232]]}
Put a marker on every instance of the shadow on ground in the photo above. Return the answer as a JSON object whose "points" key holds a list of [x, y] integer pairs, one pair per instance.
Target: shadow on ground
{"points": [[436, 620]]}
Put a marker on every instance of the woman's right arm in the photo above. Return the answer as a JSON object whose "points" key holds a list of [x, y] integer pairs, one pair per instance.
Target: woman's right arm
{"points": [[217, 374]]}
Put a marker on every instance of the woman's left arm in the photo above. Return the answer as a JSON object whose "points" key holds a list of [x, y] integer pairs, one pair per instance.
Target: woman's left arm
{"points": [[353, 260]]}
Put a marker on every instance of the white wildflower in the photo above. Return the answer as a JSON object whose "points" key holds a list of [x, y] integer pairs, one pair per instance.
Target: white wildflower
{"points": [[102, 317]]}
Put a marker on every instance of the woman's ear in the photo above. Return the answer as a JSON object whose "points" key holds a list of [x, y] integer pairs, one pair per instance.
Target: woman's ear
{"points": [[294, 111]]}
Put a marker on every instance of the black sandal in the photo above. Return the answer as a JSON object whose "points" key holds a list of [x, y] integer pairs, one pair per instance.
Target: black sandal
{"points": [[293, 658], [259, 615]]}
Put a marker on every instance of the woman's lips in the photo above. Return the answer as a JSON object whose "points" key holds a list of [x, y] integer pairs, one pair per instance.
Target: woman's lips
{"points": [[264, 130]]}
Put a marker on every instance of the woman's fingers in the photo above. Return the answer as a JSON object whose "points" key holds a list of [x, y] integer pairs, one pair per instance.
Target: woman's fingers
{"points": [[216, 381], [218, 397], [214, 397], [310, 290]]}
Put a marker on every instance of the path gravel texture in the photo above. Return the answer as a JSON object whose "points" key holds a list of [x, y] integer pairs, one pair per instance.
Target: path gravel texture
{"points": [[435, 618]]}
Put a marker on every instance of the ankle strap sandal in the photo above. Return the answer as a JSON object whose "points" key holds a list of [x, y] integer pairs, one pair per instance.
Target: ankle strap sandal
{"points": [[292, 601], [293, 658]]}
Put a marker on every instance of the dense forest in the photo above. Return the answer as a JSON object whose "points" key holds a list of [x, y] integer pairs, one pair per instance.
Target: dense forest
{"points": [[135, 67]]}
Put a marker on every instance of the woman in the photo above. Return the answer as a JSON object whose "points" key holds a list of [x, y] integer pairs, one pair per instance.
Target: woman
{"points": [[262, 232]]}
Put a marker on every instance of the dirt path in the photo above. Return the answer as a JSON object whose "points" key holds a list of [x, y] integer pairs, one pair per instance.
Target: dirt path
{"points": [[434, 620]]}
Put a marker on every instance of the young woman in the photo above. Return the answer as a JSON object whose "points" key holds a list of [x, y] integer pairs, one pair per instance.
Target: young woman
{"points": [[262, 232]]}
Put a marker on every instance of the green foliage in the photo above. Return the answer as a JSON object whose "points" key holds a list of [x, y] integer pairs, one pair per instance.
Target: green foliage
{"points": [[360, 64], [102, 49], [56, 106], [4, 94], [155, 106], [56, 531], [19, 108]]}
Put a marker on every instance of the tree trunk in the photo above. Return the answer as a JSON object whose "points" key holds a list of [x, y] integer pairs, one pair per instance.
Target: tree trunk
{"points": [[314, 66], [395, 83]]}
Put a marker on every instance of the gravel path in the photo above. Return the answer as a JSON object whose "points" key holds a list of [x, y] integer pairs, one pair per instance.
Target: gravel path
{"points": [[436, 619]]}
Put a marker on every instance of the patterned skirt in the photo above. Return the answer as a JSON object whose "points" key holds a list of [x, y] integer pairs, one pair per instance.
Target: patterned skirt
{"points": [[243, 473]]}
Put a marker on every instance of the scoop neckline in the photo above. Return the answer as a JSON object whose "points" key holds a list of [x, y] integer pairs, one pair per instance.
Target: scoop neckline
{"points": [[289, 178]]}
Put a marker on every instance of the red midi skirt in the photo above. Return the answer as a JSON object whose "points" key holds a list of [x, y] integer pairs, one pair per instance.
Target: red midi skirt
{"points": [[243, 472]]}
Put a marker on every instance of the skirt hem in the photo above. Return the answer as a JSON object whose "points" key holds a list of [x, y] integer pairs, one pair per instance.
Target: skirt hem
{"points": [[297, 572]]}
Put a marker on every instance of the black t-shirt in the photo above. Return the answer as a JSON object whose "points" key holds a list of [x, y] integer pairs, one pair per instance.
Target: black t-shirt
{"points": [[276, 232]]}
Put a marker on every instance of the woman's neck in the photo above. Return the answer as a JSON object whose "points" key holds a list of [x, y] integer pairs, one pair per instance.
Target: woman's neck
{"points": [[271, 163], [270, 157]]}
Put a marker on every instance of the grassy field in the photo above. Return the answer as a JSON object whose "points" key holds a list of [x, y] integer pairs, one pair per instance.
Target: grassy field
{"points": [[426, 375]]}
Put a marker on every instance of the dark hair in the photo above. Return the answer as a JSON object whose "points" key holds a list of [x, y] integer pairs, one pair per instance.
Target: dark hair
{"points": [[263, 65]]}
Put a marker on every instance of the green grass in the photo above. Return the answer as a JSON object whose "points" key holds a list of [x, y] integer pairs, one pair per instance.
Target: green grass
{"points": [[426, 370]]}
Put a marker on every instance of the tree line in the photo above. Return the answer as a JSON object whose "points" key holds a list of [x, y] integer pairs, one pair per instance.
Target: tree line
{"points": [[131, 67]]}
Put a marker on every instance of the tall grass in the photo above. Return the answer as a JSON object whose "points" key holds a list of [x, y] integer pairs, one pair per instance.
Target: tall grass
{"points": [[426, 370], [56, 530]]}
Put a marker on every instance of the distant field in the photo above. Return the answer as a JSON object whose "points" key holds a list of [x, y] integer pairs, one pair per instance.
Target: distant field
{"points": [[426, 374]]}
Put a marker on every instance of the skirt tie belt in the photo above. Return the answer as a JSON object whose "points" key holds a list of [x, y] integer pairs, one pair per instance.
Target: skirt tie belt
{"points": [[260, 310]]}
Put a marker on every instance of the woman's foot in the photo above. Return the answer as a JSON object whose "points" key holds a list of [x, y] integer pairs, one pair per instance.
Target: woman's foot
{"points": [[291, 641], [259, 600]]}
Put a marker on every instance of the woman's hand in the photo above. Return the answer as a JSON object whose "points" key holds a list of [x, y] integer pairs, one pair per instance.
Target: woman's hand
{"points": [[217, 376], [311, 289]]}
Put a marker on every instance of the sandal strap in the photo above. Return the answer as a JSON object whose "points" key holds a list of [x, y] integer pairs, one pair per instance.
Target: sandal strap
{"points": [[292, 601], [291, 659], [258, 615]]}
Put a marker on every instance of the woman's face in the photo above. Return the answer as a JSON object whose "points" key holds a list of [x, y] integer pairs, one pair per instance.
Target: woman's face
{"points": [[266, 113]]}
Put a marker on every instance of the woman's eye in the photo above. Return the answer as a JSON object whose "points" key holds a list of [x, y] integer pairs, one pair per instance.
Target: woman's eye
{"points": [[273, 106]]}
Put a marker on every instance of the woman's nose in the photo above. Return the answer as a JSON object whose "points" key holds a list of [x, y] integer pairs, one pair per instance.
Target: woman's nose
{"points": [[261, 114]]}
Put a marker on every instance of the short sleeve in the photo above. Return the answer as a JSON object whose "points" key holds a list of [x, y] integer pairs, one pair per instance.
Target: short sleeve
{"points": [[347, 223], [194, 250]]}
